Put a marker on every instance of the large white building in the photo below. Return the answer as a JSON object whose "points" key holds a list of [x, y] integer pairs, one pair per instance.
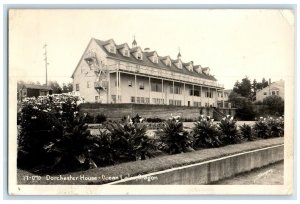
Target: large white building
{"points": [[111, 73]]}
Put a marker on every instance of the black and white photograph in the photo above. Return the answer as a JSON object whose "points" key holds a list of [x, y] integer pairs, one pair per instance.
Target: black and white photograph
{"points": [[151, 101]]}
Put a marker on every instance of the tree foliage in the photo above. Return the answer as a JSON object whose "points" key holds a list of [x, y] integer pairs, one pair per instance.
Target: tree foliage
{"points": [[275, 105]]}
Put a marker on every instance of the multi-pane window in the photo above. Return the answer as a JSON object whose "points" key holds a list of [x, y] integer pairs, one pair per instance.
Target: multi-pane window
{"points": [[114, 98], [141, 84], [197, 104], [112, 49], [156, 87], [77, 87], [168, 63], [126, 53], [157, 100], [177, 89], [209, 94], [175, 102], [132, 99], [88, 85], [147, 100], [273, 92], [143, 100], [96, 98], [155, 59], [130, 83], [196, 92]]}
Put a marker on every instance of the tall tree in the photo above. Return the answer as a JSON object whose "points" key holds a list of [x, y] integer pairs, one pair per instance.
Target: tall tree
{"points": [[67, 87], [254, 89], [243, 88], [55, 86], [264, 82]]}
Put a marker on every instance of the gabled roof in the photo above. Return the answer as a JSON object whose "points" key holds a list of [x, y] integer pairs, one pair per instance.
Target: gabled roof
{"points": [[147, 62], [34, 86], [122, 46], [164, 58], [149, 54]]}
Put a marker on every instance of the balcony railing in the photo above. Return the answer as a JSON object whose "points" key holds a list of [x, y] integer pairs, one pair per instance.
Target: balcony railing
{"points": [[169, 75], [101, 85]]}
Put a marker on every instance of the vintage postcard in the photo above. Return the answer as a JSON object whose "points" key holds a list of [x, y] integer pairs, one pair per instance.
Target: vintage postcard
{"points": [[151, 101]]}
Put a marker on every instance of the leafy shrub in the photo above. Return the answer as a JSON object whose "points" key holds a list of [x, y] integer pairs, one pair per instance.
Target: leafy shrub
{"points": [[276, 127], [72, 151], [229, 131], [100, 118], [261, 128], [206, 133], [130, 142], [174, 138], [54, 138], [102, 151], [246, 132], [37, 129], [275, 105]]}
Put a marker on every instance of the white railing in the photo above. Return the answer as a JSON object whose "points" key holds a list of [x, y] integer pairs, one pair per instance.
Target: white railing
{"points": [[166, 74]]}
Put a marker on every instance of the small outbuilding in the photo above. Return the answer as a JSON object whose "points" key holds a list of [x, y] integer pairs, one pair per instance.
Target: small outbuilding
{"points": [[31, 90]]}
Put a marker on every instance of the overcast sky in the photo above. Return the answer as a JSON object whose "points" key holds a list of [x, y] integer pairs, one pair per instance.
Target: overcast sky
{"points": [[233, 43]]}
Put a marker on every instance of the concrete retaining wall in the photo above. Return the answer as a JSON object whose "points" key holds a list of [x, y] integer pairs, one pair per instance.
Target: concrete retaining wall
{"points": [[213, 170], [118, 111]]}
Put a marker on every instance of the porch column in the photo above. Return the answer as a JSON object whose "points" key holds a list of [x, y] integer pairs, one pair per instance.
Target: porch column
{"points": [[120, 90], [208, 95], [162, 90], [135, 87], [173, 92], [117, 86], [108, 91], [193, 95], [149, 90], [184, 94], [201, 95], [223, 99]]}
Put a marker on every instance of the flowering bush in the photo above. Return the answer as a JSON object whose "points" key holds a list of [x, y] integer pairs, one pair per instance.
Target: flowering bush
{"points": [[229, 131], [37, 130], [276, 126], [53, 136], [269, 127], [174, 138], [206, 133], [261, 128]]}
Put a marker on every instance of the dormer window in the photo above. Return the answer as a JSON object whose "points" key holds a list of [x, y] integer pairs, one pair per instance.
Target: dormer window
{"points": [[112, 49], [139, 56], [126, 53], [179, 65], [155, 60], [168, 63]]}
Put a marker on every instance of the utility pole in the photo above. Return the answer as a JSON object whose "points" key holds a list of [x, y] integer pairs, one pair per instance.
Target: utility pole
{"points": [[46, 62]]}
